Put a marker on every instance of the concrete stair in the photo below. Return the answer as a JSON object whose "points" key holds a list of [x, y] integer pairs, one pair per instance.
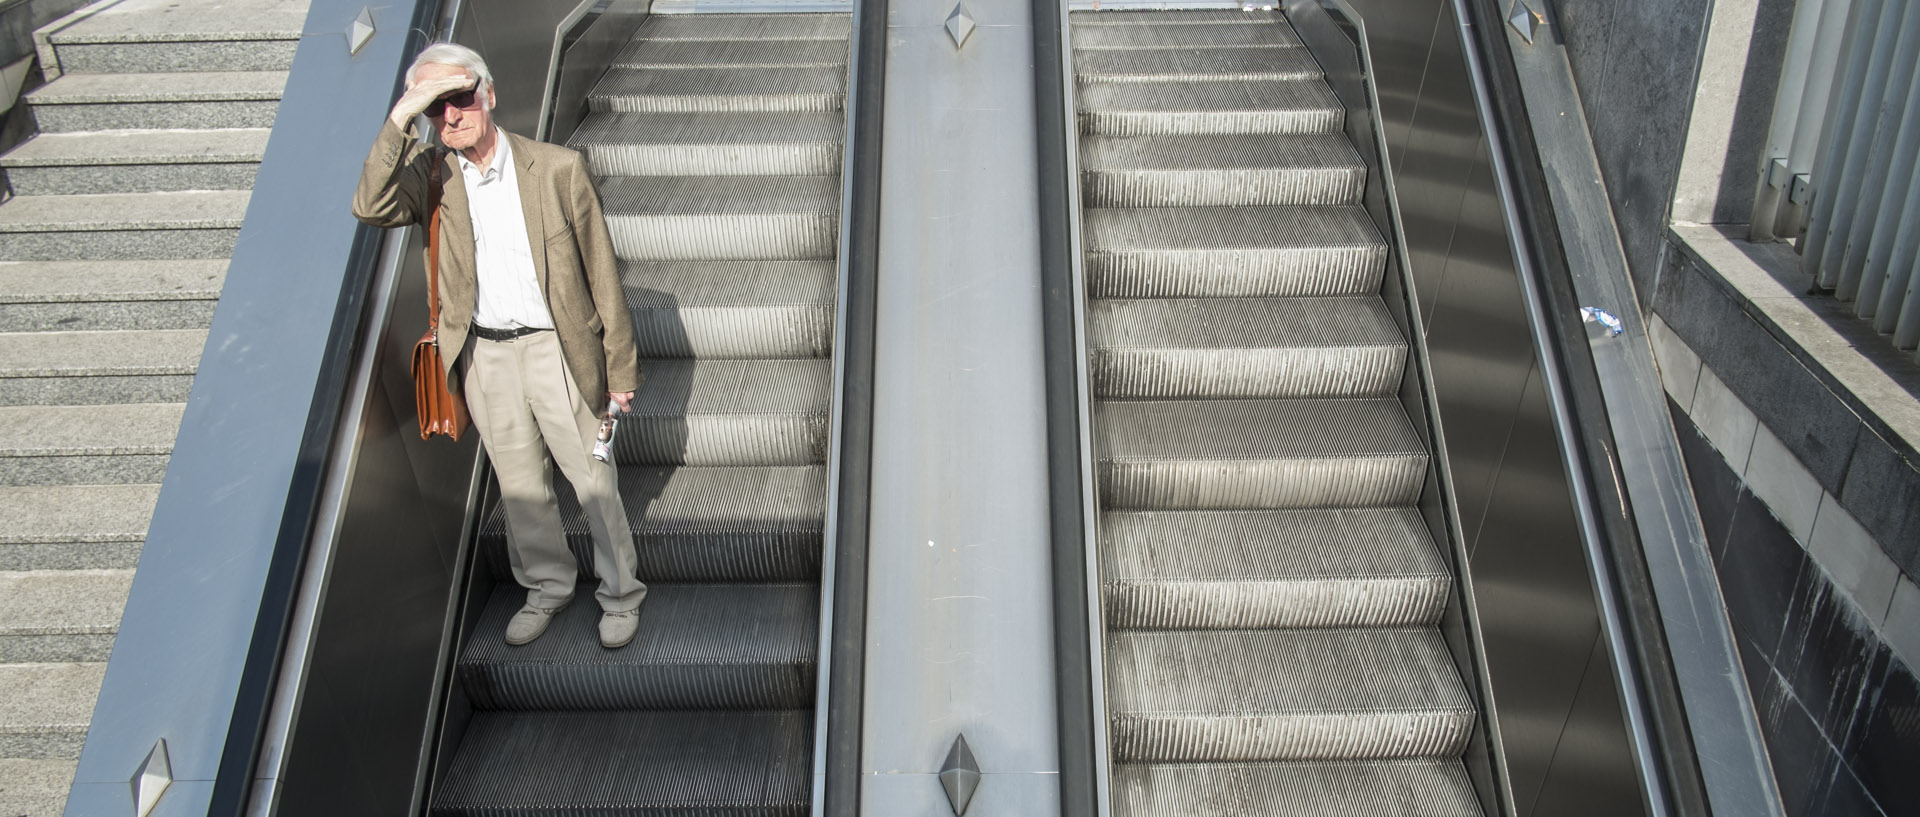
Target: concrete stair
{"points": [[116, 227]]}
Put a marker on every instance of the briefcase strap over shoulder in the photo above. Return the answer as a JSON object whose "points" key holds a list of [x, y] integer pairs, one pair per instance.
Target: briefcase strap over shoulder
{"points": [[433, 244]]}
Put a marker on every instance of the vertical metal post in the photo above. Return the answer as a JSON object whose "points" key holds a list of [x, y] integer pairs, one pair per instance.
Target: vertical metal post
{"points": [[1808, 24], [1843, 159]]}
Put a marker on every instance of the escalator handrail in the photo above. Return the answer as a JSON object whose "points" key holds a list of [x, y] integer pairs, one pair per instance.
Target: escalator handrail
{"points": [[843, 581], [1079, 629]]}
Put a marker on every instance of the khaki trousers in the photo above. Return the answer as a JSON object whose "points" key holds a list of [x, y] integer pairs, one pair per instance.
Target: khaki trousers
{"points": [[530, 415]]}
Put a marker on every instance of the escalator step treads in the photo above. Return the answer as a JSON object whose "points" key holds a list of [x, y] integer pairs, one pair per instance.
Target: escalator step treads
{"points": [[1179, 108], [731, 309], [702, 524], [733, 54], [599, 764], [728, 412], [1234, 169], [1229, 229], [1197, 65], [636, 90], [1250, 454], [1219, 251], [718, 144], [1306, 694], [700, 646], [1130, 17], [1243, 347], [1318, 567], [1269, 34], [1416, 787], [624, 196], [744, 283], [707, 27], [722, 217]]}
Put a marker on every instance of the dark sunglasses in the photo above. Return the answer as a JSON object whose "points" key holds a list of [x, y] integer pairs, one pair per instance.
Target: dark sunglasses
{"points": [[463, 100]]}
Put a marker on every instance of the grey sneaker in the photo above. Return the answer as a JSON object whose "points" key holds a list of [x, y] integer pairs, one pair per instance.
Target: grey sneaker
{"points": [[617, 629], [530, 622]]}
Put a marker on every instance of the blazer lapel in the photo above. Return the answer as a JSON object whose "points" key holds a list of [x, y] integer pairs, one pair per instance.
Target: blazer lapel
{"points": [[457, 266], [529, 184]]}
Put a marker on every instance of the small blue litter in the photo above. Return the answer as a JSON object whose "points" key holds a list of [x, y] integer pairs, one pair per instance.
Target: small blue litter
{"points": [[1594, 314]]}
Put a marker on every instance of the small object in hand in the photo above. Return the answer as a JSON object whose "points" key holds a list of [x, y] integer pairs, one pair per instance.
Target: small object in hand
{"points": [[603, 441]]}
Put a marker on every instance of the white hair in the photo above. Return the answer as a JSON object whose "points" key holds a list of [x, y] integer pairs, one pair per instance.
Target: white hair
{"points": [[458, 56]]}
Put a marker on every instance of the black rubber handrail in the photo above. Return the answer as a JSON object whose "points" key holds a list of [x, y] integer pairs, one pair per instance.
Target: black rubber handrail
{"points": [[1072, 635], [847, 667]]}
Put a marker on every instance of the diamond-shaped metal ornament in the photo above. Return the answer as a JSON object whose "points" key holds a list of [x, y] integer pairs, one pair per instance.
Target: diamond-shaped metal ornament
{"points": [[1524, 20], [151, 779], [960, 25], [360, 33], [960, 775]]}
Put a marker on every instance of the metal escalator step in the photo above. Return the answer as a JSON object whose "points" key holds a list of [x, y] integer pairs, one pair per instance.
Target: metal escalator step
{"points": [[708, 27], [1243, 347], [1404, 788], [731, 309], [728, 412], [1201, 171], [1318, 567], [1244, 454], [700, 646], [719, 90], [1217, 252], [722, 217], [1195, 65], [760, 54], [1268, 34], [702, 524], [600, 764], [712, 144], [1172, 18], [1241, 695], [1175, 108]]}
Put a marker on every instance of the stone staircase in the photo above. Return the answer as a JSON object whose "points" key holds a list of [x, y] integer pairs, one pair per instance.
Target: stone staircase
{"points": [[113, 247]]}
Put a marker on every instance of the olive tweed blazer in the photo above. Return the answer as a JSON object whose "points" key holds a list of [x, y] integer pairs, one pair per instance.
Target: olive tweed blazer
{"points": [[572, 250]]}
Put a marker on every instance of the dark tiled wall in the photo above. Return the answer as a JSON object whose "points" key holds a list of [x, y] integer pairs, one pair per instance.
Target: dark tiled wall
{"points": [[1840, 712], [1848, 449]]}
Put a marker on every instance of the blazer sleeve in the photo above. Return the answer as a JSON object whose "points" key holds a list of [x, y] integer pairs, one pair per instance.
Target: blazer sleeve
{"points": [[393, 182], [603, 278]]}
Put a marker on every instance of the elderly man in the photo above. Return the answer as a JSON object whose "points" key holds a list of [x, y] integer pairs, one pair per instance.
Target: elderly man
{"points": [[533, 324]]}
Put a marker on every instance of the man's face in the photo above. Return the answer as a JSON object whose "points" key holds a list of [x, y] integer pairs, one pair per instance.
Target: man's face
{"points": [[460, 128]]}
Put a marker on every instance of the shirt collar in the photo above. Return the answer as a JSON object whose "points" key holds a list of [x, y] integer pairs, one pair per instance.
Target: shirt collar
{"points": [[502, 156]]}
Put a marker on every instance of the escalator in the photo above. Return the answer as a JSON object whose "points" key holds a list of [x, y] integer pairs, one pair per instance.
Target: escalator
{"points": [[1271, 592], [1291, 613], [716, 143]]}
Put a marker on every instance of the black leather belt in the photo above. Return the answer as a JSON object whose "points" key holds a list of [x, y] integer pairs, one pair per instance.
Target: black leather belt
{"points": [[504, 334]]}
